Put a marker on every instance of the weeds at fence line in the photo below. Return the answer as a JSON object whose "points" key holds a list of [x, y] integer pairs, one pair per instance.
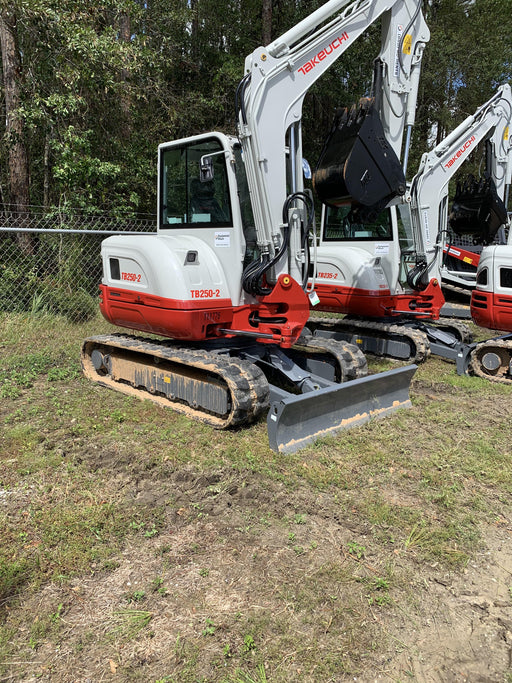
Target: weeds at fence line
{"points": [[52, 263]]}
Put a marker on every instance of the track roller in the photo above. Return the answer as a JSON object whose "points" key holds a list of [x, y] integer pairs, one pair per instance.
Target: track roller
{"points": [[349, 360], [457, 328], [380, 339]]}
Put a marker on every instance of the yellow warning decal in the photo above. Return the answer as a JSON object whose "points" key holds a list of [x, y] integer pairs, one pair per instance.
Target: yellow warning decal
{"points": [[167, 380], [407, 44], [466, 259], [505, 134]]}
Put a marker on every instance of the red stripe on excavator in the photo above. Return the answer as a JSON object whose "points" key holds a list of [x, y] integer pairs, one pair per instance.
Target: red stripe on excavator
{"points": [[379, 303], [278, 317], [167, 317], [490, 310], [143, 299]]}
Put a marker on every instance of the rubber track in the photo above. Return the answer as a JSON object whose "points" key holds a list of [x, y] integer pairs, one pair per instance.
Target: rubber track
{"points": [[246, 384], [457, 289], [503, 349], [349, 357], [455, 327], [420, 348]]}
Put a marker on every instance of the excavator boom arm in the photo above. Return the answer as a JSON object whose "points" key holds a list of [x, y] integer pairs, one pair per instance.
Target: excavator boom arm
{"points": [[429, 188], [278, 78]]}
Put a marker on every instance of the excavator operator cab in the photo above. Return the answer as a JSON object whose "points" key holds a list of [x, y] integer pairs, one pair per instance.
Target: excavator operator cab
{"points": [[491, 300], [204, 203], [200, 183], [199, 188], [387, 238], [190, 196]]}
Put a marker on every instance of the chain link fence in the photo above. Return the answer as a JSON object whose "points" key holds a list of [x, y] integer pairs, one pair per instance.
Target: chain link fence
{"points": [[50, 260]]}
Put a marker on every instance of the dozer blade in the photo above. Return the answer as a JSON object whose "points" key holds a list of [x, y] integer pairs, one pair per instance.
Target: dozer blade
{"points": [[357, 164], [296, 421]]}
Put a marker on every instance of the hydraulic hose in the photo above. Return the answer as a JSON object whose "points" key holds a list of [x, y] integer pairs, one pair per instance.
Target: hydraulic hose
{"points": [[253, 274], [416, 276], [400, 59], [240, 97], [308, 201]]}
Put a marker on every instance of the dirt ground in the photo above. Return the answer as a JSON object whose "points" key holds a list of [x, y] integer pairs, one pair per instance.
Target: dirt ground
{"points": [[244, 570], [457, 627], [464, 626]]}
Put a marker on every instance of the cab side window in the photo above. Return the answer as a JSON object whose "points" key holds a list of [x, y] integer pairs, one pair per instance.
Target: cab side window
{"points": [[506, 278], [187, 196], [340, 226]]}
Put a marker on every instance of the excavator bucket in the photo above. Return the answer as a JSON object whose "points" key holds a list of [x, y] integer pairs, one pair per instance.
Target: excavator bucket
{"points": [[477, 209], [357, 164], [296, 421]]}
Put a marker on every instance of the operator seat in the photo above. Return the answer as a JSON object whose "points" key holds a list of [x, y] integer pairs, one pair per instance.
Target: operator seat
{"points": [[204, 202]]}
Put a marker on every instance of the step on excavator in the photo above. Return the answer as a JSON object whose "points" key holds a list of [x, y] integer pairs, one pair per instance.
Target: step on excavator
{"points": [[383, 269], [224, 281]]}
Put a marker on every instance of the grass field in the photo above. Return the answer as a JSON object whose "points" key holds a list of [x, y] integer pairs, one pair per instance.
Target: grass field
{"points": [[140, 546]]}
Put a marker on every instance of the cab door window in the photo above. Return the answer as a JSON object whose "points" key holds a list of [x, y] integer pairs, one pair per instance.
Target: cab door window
{"points": [[187, 196]]}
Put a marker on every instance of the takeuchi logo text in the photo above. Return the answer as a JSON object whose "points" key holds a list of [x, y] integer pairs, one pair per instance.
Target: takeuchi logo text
{"points": [[336, 43], [460, 151]]}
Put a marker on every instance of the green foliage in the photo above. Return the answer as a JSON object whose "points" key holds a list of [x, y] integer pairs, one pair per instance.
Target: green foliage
{"points": [[462, 65], [210, 628], [20, 372], [103, 84], [57, 278], [76, 167], [356, 550], [128, 623], [13, 575], [77, 306], [249, 644]]}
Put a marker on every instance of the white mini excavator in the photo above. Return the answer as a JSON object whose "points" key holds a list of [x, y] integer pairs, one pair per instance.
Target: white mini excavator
{"points": [[384, 269], [225, 278]]}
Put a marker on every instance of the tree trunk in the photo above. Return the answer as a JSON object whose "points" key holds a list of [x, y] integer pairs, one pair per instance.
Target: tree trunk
{"points": [[19, 182], [195, 31], [266, 21], [125, 36]]}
